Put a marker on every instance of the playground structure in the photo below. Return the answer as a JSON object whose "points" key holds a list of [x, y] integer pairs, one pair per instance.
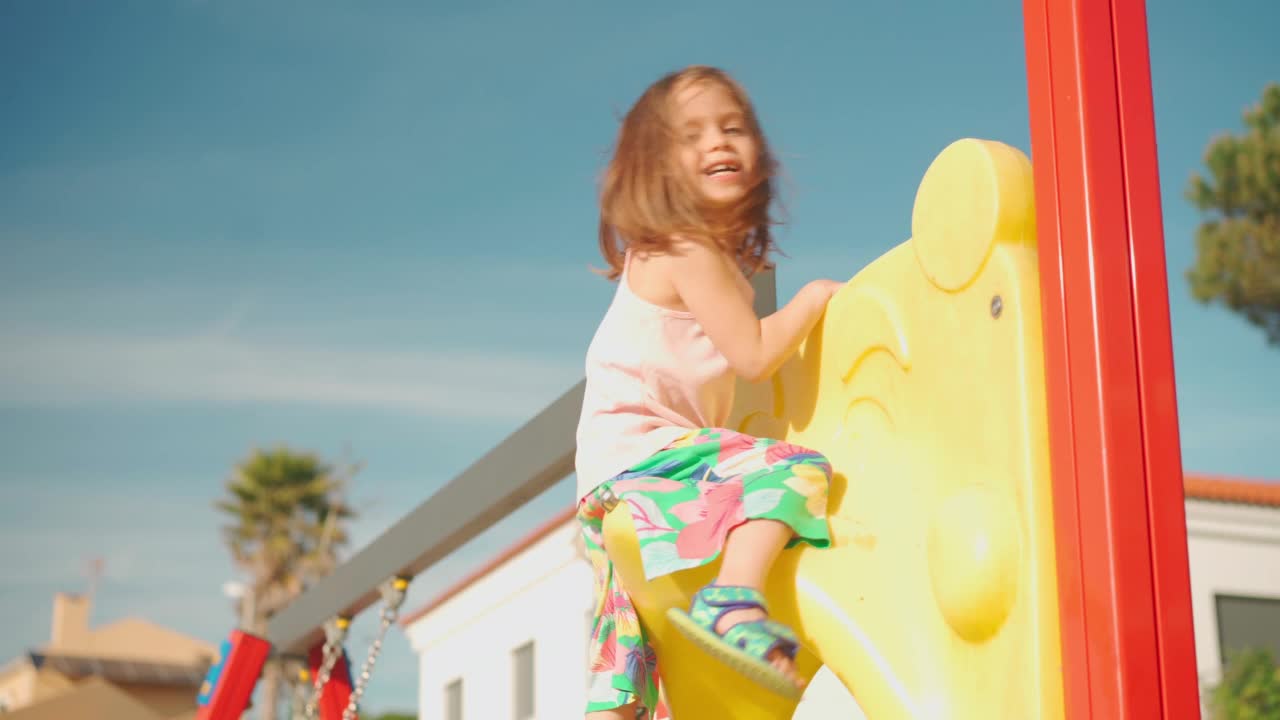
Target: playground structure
{"points": [[1021, 551]]}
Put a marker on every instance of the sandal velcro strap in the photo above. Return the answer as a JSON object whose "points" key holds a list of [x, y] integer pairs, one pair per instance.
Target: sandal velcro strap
{"points": [[761, 637], [713, 601], [780, 631], [731, 595]]}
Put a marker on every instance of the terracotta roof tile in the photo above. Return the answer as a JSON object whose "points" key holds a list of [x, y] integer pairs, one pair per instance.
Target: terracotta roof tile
{"points": [[1232, 490]]}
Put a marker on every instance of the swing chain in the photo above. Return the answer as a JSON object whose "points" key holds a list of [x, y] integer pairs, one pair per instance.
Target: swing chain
{"points": [[393, 592], [335, 631]]}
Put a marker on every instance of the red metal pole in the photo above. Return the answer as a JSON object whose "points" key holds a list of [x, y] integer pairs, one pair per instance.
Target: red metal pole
{"points": [[1124, 589]]}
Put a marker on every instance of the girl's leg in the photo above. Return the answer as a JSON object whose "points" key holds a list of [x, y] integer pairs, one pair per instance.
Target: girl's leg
{"points": [[617, 638], [749, 553]]}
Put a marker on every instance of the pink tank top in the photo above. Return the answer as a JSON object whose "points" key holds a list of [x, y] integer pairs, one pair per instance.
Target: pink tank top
{"points": [[652, 375]]}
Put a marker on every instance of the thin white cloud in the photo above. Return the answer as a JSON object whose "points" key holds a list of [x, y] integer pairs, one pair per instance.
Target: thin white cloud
{"points": [[141, 532], [43, 370]]}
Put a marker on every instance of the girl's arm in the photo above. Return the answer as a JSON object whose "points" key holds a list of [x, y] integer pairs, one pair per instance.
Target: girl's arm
{"points": [[703, 277]]}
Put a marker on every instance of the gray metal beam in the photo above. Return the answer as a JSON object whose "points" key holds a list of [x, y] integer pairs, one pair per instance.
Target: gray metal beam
{"points": [[526, 463], [766, 287]]}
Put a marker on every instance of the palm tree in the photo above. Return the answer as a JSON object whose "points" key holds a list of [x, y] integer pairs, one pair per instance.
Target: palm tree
{"points": [[287, 523]]}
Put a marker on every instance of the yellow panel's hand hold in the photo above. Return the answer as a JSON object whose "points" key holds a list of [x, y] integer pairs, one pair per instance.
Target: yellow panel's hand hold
{"points": [[924, 385]]}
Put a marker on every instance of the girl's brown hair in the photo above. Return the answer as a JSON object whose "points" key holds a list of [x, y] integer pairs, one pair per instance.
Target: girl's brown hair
{"points": [[645, 201]]}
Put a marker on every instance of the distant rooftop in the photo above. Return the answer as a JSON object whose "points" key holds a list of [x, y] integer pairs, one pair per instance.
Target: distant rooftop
{"points": [[127, 650], [121, 670], [94, 698], [130, 669]]}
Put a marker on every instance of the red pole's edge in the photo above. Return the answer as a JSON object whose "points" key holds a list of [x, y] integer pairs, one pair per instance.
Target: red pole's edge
{"points": [[1150, 291]]}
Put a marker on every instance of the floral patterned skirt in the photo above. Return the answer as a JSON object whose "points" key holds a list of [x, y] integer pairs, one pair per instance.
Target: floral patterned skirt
{"points": [[684, 500]]}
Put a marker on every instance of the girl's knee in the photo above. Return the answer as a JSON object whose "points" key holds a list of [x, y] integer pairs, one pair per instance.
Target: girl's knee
{"points": [[818, 461], [821, 461]]}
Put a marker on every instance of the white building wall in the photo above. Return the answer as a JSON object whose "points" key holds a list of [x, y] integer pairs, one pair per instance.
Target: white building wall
{"points": [[1232, 550], [544, 594]]}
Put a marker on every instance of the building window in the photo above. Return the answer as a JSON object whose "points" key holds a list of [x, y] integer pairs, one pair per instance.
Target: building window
{"points": [[522, 674], [453, 700], [1246, 623]]}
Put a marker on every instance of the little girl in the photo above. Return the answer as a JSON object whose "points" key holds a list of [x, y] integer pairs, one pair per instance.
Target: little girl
{"points": [[684, 219]]}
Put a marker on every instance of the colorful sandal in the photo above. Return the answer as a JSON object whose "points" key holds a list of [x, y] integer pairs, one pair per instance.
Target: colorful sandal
{"points": [[746, 646]]}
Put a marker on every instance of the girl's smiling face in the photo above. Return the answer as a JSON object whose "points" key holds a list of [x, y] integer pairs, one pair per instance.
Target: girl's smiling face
{"points": [[715, 147]]}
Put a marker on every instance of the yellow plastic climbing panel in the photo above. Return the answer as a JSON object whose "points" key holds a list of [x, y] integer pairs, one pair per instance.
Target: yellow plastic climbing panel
{"points": [[924, 386]]}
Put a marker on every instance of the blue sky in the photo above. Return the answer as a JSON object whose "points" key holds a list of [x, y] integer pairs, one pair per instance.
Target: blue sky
{"points": [[367, 231]]}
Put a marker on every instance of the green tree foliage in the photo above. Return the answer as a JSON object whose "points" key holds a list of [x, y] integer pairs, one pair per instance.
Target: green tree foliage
{"points": [[286, 522], [1250, 688], [1238, 242]]}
